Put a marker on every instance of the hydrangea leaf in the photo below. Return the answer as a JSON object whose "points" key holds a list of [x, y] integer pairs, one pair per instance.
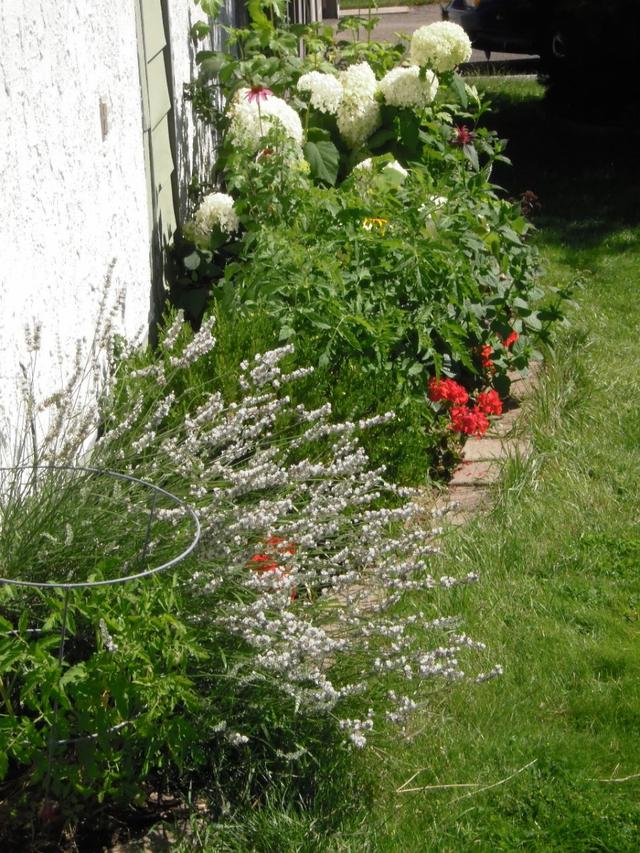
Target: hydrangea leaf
{"points": [[323, 158]]}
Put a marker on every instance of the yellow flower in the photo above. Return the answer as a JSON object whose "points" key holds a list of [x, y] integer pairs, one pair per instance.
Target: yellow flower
{"points": [[370, 222]]}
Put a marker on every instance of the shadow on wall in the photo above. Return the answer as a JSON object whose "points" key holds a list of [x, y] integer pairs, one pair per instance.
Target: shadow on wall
{"points": [[195, 141]]}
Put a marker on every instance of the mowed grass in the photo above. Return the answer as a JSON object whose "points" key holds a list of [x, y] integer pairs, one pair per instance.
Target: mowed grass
{"points": [[559, 555], [363, 7]]}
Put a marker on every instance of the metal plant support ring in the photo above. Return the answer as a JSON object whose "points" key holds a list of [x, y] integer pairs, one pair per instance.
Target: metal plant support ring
{"points": [[113, 581], [67, 587]]}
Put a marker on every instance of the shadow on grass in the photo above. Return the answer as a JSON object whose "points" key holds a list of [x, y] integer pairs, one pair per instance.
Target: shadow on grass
{"points": [[585, 174]]}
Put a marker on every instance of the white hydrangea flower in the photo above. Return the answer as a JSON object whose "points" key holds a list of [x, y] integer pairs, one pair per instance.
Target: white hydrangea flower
{"points": [[402, 87], [325, 91], [364, 165], [359, 83], [395, 171], [357, 127], [216, 209], [251, 119], [442, 46], [359, 113]]}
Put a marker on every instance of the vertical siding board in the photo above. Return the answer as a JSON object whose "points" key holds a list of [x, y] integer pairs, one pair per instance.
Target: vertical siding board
{"points": [[153, 25], [158, 87], [154, 60], [162, 155]]}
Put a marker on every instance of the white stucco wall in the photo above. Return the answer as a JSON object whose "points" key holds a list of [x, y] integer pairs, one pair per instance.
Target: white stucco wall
{"points": [[74, 200], [72, 176]]}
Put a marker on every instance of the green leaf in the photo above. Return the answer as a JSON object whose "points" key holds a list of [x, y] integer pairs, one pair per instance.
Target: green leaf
{"points": [[380, 138], [457, 84], [472, 156], [74, 674], [192, 261], [323, 158], [318, 134], [211, 7], [199, 31]]}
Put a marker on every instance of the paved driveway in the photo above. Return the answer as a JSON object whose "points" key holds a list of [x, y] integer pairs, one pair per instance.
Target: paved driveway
{"points": [[406, 19]]}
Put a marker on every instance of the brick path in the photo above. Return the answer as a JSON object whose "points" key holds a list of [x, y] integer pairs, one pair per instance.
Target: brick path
{"points": [[482, 458]]}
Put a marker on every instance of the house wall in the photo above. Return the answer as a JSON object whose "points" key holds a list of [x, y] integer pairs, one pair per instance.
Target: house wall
{"points": [[72, 179], [72, 176]]}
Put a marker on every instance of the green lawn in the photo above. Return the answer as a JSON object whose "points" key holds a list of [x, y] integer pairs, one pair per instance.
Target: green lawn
{"points": [[559, 556], [364, 6]]}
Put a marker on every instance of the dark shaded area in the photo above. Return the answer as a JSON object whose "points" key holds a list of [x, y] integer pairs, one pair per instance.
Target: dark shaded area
{"points": [[583, 172]]}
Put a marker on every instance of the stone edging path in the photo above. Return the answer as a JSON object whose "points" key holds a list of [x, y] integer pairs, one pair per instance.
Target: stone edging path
{"points": [[468, 492]]}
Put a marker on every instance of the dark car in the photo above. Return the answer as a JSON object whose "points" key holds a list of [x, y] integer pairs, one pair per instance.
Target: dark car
{"points": [[511, 26], [589, 49], [564, 33]]}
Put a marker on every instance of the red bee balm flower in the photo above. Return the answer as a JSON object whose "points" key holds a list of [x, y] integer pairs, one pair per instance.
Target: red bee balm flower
{"points": [[258, 93], [489, 402], [469, 421], [463, 136], [511, 339], [262, 563], [448, 390]]}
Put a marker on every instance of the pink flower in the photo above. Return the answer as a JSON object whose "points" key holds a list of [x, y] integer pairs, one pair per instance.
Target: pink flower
{"points": [[258, 93], [463, 136]]}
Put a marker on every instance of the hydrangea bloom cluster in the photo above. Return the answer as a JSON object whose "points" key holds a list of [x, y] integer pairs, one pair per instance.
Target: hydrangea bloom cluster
{"points": [[403, 87], [359, 112], [441, 46], [298, 561], [325, 91], [251, 118], [216, 211]]}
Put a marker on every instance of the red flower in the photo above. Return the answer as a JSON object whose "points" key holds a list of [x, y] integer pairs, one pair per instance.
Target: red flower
{"points": [[511, 338], [258, 93], [447, 389], [463, 136], [469, 421], [277, 543], [489, 402], [263, 563], [486, 352]]}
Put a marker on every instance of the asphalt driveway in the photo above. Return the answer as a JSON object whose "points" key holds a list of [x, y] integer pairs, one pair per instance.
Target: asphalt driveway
{"points": [[404, 20]]}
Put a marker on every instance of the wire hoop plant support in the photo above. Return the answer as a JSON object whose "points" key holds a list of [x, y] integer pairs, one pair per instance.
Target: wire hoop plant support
{"points": [[27, 484]]}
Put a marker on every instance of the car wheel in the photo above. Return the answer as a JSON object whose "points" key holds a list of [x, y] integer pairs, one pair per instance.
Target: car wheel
{"points": [[558, 48]]}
